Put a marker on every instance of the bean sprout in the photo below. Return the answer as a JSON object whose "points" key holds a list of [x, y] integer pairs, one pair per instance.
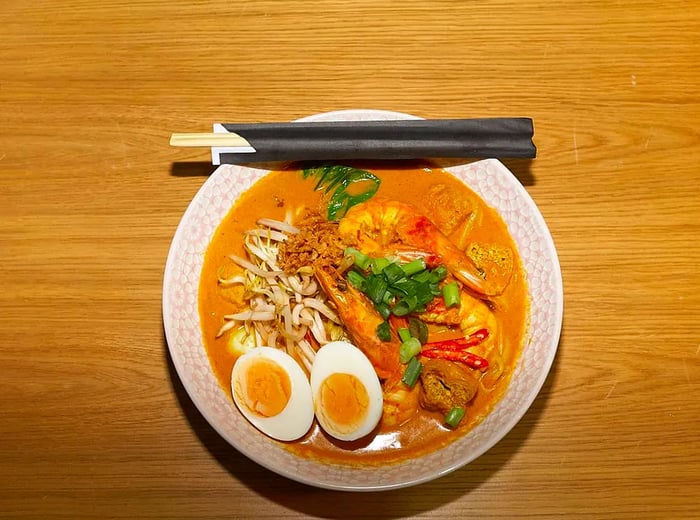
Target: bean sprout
{"points": [[285, 310]]}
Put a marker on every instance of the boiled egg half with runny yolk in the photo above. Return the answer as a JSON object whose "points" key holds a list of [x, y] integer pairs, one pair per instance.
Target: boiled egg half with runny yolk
{"points": [[346, 391], [271, 390]]}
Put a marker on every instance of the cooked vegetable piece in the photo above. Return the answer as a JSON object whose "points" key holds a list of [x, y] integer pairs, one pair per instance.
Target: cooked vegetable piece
{"points": [[397, 289], [383, 310], [384, 331], [469, 359], [412, 372], [376, 288], [418, 329], [459, 343], [450, 293], [414, 267], [408, 350], [339, 179], [361, 259], [404, 333], [357, 280], [393, 273], [454, 416], [379, 264]]}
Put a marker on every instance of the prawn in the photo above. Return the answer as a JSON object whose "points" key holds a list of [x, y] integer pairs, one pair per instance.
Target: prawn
{"points": [[401, 402], [475, 320], [381, 226], [361, 320], [471, 315]]}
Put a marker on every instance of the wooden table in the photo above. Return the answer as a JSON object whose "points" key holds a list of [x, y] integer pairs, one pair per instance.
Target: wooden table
{"points": [[94, 422]]}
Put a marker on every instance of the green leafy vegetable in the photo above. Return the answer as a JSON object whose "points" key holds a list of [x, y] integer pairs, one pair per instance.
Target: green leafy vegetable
{"points": [[338, 180]]}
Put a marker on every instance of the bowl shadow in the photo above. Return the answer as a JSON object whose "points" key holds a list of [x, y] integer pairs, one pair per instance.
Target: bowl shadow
{"points": [[330, 504], [521, 168]]}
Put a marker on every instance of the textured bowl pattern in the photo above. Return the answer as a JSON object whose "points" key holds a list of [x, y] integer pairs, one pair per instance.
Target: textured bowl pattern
{"points": [[499, 188]]}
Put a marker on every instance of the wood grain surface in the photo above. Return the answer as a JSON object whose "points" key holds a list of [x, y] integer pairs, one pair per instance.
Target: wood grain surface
{"points": [[95, 423]]}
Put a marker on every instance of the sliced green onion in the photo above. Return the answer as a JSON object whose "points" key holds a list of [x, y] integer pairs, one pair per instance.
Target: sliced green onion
{"points": [[414, 267], [412, 372], [400, 289], [383, 331], [388, 299], [378, 264], [393, 273], [423, 276], [357, 280], [439, 273], [361, 259], [405, 286], [418, 329], [454, 416], [404, 334], [383, 310], [375, 288], [409, 349], [423, 293], [404, 306], [450, 292]]}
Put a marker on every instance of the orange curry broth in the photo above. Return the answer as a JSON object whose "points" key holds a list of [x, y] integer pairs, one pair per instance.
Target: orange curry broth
{"points": [[279, 191]]}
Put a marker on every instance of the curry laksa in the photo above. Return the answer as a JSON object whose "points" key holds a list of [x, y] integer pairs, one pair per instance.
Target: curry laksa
{"points": [[363, 314]]}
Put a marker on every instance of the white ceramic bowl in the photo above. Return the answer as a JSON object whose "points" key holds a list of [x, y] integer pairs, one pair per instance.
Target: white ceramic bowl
{"points": [[499, 188]]}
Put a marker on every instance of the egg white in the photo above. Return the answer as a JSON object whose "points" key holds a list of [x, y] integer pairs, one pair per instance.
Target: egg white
{"points": [[345, 358], [297, 416]]}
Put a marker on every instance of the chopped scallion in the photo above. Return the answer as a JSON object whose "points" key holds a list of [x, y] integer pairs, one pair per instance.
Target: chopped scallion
{"points": [[404, 306], [454, 416], [393, 273], [383, 331], [409, 349], [450, 293], [404, 333], [375, 288], [378, 264], [412, 372], [383, 310], [423, 277], [440, 272], [414, 267], [357, 280], [361, 259]]}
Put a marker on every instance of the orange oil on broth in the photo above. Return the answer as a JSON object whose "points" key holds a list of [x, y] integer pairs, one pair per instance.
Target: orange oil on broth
{"points": [[280, 191]]}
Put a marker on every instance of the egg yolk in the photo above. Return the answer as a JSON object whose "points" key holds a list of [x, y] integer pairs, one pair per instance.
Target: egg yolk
{"points": [[267, 388], [344, 401]]}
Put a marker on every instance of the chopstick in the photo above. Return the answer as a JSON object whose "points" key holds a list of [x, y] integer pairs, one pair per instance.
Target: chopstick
{"points": [[208, 140], [392, 139]]}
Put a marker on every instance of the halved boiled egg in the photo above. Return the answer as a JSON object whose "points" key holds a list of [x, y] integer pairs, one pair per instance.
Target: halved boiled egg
{"points": [[346, 391], [272, 392]]}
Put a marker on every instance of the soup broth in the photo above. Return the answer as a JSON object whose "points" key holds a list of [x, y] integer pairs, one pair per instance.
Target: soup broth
{"points": [[433, 192]]}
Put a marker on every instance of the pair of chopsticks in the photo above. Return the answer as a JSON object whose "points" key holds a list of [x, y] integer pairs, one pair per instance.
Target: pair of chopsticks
{"points": [[394, 139]]}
